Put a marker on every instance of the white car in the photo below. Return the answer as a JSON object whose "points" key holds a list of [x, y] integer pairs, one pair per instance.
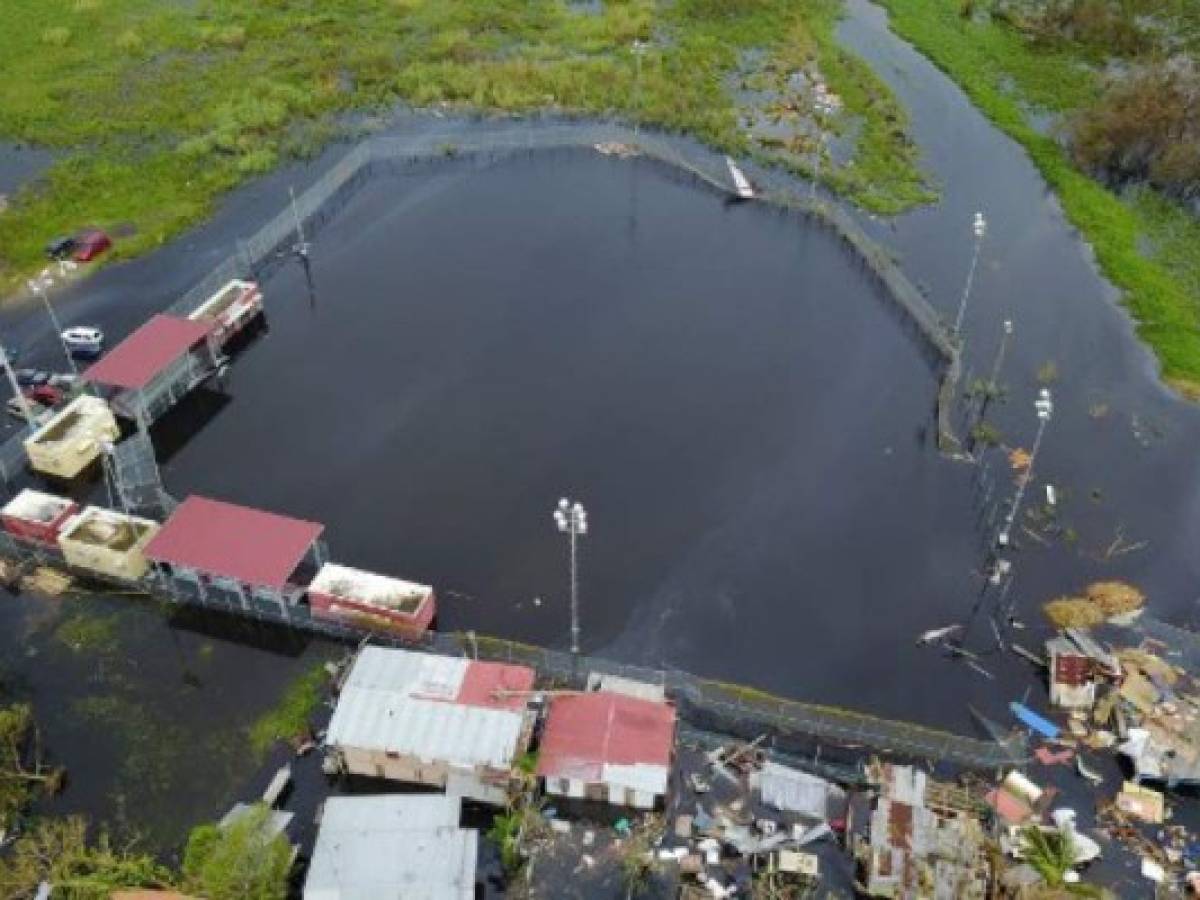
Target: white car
{"points": [[83, 340]]}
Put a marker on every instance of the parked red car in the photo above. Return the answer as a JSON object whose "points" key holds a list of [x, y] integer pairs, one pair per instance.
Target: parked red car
{"points": [[89, 244], [45, 394]]}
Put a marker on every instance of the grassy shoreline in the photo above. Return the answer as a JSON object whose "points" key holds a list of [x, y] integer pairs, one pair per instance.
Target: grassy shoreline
{"points": [[163, 108], [997, 71]]}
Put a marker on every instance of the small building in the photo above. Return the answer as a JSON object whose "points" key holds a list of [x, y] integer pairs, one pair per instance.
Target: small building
{"points": [[372, 602], [451, 723], [392, 846], [607, 746], [1072, 675], [792, 791], [107, 542], [37, 516], [73, 438], [156, 366], [230, 311], [224, 554]]}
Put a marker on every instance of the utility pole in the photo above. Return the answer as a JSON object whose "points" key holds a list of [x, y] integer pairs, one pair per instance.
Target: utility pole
{"points": [[1044, 408], [979, 227], [571, 519]]}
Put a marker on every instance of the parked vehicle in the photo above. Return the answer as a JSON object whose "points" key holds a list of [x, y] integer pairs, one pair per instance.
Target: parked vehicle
{"points": [[32, 377], [45, 394], [89, 244], [64, 380], [61, 247], [83, 340]]}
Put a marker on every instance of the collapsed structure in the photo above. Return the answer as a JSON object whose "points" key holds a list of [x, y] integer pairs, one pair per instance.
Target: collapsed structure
{"points": [[455, 724], [922, 842]]}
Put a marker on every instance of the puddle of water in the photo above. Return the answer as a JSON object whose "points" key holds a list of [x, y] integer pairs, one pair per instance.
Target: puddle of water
{"points": [[20, 165]]}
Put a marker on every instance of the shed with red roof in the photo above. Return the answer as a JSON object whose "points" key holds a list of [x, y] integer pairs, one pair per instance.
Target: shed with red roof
{"points": [[608, 746], [223, 551]]}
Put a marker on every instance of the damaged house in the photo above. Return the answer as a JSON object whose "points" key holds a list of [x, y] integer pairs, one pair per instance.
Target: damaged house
{"points": [[921, 842]]}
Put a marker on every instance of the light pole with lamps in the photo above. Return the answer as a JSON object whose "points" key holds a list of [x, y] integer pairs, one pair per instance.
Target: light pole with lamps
{"points": [[39, 288], [1044, 408], [571, 519], [979, 226]]}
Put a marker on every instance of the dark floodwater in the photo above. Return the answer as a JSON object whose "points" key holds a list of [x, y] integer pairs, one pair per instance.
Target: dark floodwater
{"points": [[745, 418]]}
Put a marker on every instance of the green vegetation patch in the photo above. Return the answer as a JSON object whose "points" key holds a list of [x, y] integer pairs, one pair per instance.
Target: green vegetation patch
{"points": [[1155, 264], [290, 718], [161, 107]]}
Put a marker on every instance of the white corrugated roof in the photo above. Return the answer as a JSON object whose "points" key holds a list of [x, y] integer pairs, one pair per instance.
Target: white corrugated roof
{"points": [[392, 847], [399, 701]]}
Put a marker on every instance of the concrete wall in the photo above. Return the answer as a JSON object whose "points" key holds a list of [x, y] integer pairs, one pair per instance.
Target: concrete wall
{"points": [[605, 793]]}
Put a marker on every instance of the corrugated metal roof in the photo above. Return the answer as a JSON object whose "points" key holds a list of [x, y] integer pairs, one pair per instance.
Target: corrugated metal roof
{"points": [[238, 542], [392, 846], [611, 738], [136, 361], [795, 791], [407, 703]]}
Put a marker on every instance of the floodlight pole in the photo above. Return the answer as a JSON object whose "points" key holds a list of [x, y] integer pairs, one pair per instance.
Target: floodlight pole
{"points": [[979, 227], [571, 519], [1044, 408], [39, 288]]}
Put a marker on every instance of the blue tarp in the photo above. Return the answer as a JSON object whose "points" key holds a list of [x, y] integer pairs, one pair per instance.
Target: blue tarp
{"points": [[1044, 727]]}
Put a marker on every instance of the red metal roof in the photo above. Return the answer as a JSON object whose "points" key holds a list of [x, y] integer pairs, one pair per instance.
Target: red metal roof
{"points": [[482, 680], [585, 732], [247, 545], [135, 361]]}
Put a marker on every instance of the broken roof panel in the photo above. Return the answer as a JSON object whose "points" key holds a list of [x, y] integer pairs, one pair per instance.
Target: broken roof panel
{"points": [[230, 541], [137, 360], [791, 790]]}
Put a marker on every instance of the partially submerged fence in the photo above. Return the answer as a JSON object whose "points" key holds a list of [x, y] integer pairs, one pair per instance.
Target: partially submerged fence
{"points": [[485, 143]]}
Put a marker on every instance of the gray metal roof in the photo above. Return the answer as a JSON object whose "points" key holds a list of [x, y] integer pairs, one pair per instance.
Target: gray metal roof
{"points": [[403, 702], [795, 791], [392, 847]]}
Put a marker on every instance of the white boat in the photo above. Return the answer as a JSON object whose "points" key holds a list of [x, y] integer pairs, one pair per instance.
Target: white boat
{"points": [[83, 340], [745, 190]]}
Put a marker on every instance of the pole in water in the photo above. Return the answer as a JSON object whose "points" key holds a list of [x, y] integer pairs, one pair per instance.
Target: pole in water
{"points": [[300, 248], [979, 227]]}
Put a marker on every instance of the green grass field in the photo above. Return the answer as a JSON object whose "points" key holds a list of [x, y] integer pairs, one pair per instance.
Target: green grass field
{"points": [[160, 107], [1147, 246]]}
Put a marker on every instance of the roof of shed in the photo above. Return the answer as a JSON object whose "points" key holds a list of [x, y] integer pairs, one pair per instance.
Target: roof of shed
{"points": [[136, 361], [597, 736], [238, 542], [392, 845]]}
